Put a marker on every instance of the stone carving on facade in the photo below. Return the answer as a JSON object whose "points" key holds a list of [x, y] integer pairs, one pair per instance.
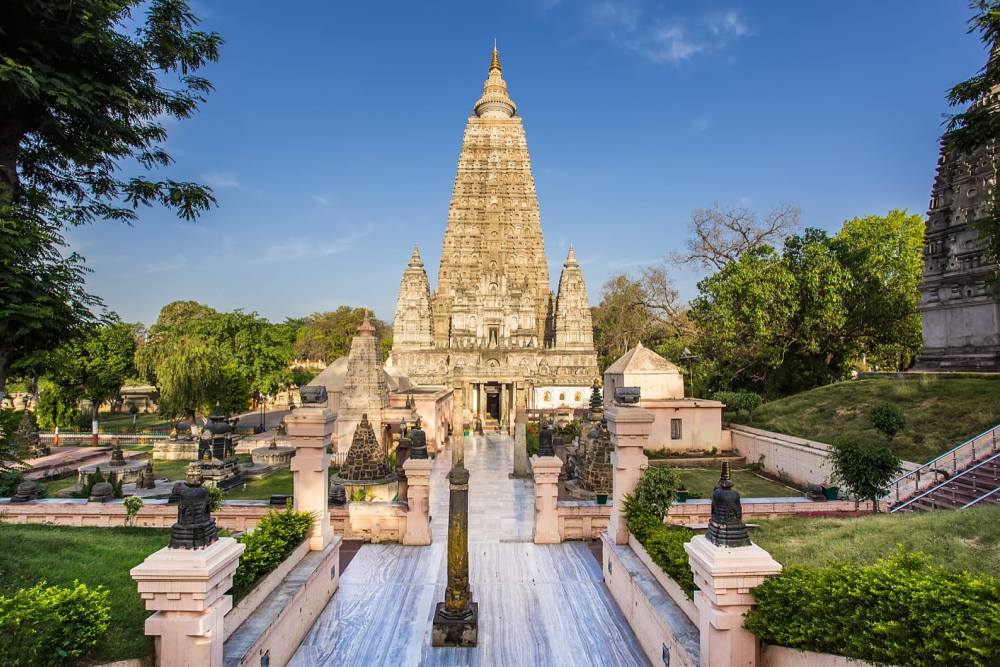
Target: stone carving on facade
{"points": [[961, 315], [493, 302]]}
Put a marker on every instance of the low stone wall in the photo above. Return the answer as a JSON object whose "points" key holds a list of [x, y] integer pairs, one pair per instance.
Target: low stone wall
{"points": [[782, 656], [273, 631], [372, 522], [697, 512], [666, 634], [670, 587], [248, 605], [236, 516], [582, 520], [801, 461]]}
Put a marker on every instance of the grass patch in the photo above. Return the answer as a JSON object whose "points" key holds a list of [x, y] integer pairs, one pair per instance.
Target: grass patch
{"points": [[95, 556], [262, 489], [703, 480], [968, 540], [940, 412], [53, 487]]}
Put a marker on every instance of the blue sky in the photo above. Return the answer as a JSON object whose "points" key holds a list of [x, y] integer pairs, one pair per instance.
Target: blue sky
{"points": [[333, 135]]}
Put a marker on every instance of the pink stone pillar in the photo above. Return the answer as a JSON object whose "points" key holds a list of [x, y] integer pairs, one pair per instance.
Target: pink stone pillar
{"points": [[546, 471], [309, 430], [418, 525], [186, 588], [629, 428], [724, 577]]}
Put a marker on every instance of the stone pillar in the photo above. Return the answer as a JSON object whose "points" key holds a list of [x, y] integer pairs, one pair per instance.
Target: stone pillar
{"points": [[187, 590], [456, 620], [418, 526], [724, 577], [481, 407], [521, 446], [629, 428], [309, 429], [458, 399], [546, 471]]}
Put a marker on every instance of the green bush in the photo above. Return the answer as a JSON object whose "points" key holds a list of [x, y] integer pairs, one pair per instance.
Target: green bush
{"points": [[531, 431], [888, 419], [740, 401], [900, 611], [654, 492], [272, 541], [50, 625], [865, 469]]}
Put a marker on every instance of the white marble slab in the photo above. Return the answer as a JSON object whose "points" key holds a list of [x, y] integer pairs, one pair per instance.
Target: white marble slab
{"points": [[538, 604]]}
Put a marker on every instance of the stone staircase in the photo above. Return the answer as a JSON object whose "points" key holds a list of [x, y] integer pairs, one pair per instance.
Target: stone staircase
{"points": [[977, 484]]}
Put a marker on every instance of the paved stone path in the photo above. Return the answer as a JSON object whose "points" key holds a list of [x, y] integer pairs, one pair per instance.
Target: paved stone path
{"points": [[538, 604]]}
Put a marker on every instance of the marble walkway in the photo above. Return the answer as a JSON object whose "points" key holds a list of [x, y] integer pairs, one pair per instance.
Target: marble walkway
{"points": [[538, 604]]}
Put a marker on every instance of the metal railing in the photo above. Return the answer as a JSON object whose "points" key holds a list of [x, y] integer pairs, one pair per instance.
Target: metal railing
{"points": [[104, 439], [968, 473], [980, 498], [946, 466]]}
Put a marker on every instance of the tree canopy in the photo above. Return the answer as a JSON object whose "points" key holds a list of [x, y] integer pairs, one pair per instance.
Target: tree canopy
{"points": [[782, 322], [200, 358], [85, 89], [326, 336], [96, 364]]}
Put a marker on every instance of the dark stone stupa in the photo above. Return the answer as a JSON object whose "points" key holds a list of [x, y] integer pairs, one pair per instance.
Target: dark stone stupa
{"points": [[195, 527], [366, 459], [726, 527]]}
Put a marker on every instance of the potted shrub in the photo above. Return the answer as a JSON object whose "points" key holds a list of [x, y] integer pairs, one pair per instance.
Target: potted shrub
{"points": [[682, 494], [830, 492], [602, 499]]}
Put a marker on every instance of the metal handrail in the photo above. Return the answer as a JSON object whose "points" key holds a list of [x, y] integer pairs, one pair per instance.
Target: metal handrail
{"points": [[980, 498], [951, 457], [945, 482]]}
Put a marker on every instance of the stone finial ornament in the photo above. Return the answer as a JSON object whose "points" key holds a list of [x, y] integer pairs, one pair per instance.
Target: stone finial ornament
{"points": [[195, 527], [418, 441], [545, 445], [313, 395], [117, 457], [726, 527], [596, 403], [148, 481], [27, 491], [627, 396]]}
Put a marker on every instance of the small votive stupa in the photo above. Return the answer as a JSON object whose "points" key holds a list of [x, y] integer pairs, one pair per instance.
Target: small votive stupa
{"points": [[367, 466]]}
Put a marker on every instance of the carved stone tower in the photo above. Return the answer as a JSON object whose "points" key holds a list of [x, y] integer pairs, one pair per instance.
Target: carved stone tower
{"points": [[496, 333], [960, 312], [365, 391]]}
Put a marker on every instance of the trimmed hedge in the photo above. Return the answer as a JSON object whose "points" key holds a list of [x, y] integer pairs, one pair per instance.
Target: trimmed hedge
{"points": [[900, 611], [272, 541], [49, 625]]}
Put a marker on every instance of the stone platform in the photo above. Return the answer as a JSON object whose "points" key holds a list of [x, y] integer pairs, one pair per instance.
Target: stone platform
{"points": [[175, 450], [538, 604]]}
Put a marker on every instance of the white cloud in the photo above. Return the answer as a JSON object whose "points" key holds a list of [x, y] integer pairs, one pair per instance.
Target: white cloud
{"points": [[293, 249], [221, 180], [321, 200], [646, 29]]}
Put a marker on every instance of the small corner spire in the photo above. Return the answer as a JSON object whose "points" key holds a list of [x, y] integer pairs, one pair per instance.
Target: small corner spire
{"points": [[415, 259], [571, 258], [366, 326]]}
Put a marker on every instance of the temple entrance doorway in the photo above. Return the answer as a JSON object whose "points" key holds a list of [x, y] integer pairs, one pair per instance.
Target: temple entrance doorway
{"points": [[493, 401]]}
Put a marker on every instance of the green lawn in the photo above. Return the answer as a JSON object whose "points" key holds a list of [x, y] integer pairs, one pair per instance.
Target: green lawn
{"points": [[95, 556], [966, 540], [262, 489], [142, 421], [940, 412], [53, 487], [703, 480]]}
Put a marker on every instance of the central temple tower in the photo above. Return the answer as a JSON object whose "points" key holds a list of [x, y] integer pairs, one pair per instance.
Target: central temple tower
{"points": [[493, 329]]}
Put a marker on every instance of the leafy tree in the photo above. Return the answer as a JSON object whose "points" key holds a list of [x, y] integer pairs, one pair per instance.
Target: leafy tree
{"points": [[328, 335], [191, 379], [95, 366], [865, 469], [43, 301], [84, 88], [888, 419], [785, 323], [57, 406], [978, 126], [622, 319]]}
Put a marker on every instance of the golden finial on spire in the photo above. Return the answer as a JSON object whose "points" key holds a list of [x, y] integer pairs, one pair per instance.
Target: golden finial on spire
{"points": [[495, 64]]}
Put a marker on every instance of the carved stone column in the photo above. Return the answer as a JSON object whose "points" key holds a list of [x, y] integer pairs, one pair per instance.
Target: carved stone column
{"points": [[521, 446], [185, 583], [629, 428], [456, 620], [418, 527], [546, 471], [309, 429], [724, 577]]}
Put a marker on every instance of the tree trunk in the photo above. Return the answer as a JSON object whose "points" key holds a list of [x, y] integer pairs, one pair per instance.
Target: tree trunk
{"points": [[4, 364]]}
